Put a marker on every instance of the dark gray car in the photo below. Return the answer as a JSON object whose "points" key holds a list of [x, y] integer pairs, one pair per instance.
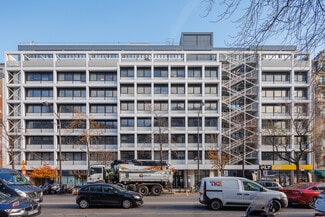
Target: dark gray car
{"points": [[107, 195]]}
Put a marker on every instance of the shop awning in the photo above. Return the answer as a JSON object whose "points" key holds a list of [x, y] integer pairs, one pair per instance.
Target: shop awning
{"points": [[320, 173]]}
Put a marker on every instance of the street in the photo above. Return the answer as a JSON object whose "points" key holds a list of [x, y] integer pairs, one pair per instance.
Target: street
{"points": [[171, 205]]}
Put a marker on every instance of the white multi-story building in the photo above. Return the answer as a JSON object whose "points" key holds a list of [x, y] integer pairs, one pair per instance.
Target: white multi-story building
{"points": [[141, 101]]}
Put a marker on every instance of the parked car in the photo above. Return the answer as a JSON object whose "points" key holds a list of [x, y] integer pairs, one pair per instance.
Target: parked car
{"points": [[269, 184], [102, 194], [320, 203], [18, 206], [304, 193], [217, 192], [14, 183]]}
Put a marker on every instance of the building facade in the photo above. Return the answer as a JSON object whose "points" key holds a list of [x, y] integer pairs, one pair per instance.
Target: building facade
{"points": [[90, 104]]}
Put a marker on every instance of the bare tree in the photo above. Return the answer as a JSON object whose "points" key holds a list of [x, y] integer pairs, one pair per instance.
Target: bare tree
{"points": [[90, 136], [299, 22]]}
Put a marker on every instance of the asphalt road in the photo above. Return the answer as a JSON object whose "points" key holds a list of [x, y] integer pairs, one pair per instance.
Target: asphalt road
{"points": [[170, 205]]}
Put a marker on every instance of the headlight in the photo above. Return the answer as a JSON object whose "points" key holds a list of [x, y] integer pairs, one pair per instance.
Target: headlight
{"points": [[21, 193], [137, 197]]}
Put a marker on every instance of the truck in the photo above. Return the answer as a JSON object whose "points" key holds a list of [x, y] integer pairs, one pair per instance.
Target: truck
{"points": [[145, 177]]}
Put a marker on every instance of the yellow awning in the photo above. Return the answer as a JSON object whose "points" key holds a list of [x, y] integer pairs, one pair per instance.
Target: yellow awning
{"points": [[291, 167]]}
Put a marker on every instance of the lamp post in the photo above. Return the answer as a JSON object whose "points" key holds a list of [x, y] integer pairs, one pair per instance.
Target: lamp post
{"points": [[198, 141], [59, 141]]}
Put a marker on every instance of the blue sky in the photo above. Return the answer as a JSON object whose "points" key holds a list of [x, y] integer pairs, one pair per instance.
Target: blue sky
{"points": [[104, 21]]}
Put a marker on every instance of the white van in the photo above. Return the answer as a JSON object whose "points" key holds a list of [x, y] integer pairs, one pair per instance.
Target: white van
{"points": [[217, 192]]}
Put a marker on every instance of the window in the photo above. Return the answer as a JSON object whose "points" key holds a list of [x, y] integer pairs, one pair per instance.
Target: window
{"points": [[194, 122], [127, 72], [127, 138], [211, 106], [75, 124], [161, 89], [103, 92], [164, 155], [194, 105], [39, 124], [104, 140], [103, 108], [39, 92], [178, 106], [72, 140], [178, 122], [144, 89], [274, 109], [276, 77], [72, 108], [127, 155], [144, 155], [192, 155], [143, 106], [161, 106], [127, 122], [144, 138], [127, 89], [211, 89], [160, 122], [72, 92], [301, 77], [178, 72], [144, 72], [178, 89], [160, 72], [39, 76], [178, 155], [103, 124], [127, 106], [211, 72], [211, 122], [194, 72], [103, 76], [300, 93], [192, 138], [178, 138], [144, 122], [39, 140], [39, 108], [211, 138], [39, 156], [72, 76], [194, 89], [275, 93]]}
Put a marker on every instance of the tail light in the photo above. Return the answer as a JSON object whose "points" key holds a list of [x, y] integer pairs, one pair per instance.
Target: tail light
{"points": [[15, 204]]}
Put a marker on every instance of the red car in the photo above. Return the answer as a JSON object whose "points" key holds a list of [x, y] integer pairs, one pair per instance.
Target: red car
{"points": [[304, 193]]}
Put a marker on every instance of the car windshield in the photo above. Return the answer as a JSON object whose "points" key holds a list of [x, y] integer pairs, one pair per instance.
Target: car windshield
{"points": [[119, 188], [95, 170], [14, 179]]}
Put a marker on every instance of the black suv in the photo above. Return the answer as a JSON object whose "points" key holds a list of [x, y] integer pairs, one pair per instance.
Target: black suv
{"points": [[107, 195]]}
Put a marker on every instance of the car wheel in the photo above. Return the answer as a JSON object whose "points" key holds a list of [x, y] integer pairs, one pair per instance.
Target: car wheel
{"points": [[144, 190], [126, 204], [83, 204], [156, 190], [215, 205], [311, 203], [276, 206]]}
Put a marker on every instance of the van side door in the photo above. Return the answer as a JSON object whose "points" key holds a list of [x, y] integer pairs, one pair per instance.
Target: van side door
{"points": [[250, 191], [231, 192]]}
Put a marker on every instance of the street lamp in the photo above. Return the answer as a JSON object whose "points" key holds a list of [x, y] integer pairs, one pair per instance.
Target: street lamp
{"points": [[59, 142], [198, 140]]}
